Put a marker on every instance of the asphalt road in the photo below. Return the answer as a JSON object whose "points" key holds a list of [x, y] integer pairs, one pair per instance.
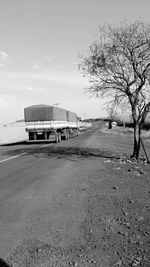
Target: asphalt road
{"points": [[32, 177]]}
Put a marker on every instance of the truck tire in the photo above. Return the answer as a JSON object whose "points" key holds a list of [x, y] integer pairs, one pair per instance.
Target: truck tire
{"points": [[35, 136], [45, 135], [77, 132], [65, 135], [59, 136], [68, 135], [56, 138], [30, 136]]}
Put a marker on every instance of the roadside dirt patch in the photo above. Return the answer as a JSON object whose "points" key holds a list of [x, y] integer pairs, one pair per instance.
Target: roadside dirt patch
{"points": [[117, 226]]}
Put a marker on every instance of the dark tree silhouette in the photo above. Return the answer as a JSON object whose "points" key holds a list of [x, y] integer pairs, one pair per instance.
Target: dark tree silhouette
{"points": [[3, 263]]}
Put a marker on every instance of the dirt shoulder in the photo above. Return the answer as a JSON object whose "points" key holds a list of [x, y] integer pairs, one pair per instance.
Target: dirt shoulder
{"points": [[117, 225], [100, 217]]}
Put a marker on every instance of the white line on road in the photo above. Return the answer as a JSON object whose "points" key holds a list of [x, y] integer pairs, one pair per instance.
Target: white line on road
{"points": [[17, 156], [13, 157], [45, 145], [3, 160]]}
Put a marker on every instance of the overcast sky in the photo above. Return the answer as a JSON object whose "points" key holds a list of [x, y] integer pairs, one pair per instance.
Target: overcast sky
{"points": [[39, 45]]}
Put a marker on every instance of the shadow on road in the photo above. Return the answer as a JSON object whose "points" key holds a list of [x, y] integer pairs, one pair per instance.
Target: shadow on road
{"points": [[63, 152], [26, 143], [82, 152]]}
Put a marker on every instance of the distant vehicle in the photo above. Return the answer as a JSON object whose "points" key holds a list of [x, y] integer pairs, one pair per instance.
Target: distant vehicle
{"points": [[44, 122]]}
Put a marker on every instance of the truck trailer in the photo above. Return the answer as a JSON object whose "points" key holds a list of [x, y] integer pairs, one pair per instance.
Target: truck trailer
{"points": [[45, 122]]}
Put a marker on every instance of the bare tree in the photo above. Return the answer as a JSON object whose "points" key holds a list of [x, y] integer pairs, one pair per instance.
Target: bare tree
{"points": [[118, 67]]}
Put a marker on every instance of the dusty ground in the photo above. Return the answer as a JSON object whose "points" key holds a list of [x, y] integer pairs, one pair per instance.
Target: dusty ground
{"points": [[101, 217]]}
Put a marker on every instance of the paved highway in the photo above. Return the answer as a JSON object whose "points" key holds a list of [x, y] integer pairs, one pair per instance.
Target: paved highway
{"points": [[30, 176], [32, 179]]}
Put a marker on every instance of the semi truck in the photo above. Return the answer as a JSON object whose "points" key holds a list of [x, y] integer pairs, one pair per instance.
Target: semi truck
{"points": [[45, 122]]}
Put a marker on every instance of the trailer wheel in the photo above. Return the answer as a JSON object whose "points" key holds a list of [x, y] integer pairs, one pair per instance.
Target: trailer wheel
{"points": [[30, 134], [35, 136], [68, 135], [56, 138], [65, 135], [45, 136], [59, 136], [77, 132]]}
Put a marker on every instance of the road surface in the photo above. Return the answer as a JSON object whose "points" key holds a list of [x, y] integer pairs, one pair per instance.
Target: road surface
{"points": [[39, 187]]}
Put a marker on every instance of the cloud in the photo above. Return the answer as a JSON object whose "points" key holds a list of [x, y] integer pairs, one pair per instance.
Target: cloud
{"points": [[48, 59], [42, 64], [3, 58], [58, 77], [3, 102], [42, 89], [29, 88], [35, 65]]}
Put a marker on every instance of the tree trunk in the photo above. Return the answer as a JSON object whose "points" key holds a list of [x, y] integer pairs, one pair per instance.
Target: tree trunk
{"points": [[137, 141]]}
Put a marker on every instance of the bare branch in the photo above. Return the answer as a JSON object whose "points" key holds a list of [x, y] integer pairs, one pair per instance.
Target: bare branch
{"points": [[118, 65]]}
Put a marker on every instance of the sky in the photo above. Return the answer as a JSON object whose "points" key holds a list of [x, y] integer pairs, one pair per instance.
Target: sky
{"points": [[40, 43]]}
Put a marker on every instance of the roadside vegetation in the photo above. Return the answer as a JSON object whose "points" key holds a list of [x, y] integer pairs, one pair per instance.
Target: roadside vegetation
{"points": [[117, 66]]}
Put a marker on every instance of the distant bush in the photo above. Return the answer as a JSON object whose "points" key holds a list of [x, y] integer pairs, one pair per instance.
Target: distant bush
{"points": [[120, 123], [129, 124], [146, 126]]}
